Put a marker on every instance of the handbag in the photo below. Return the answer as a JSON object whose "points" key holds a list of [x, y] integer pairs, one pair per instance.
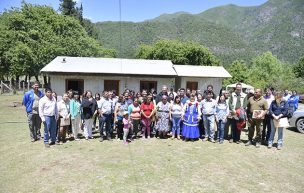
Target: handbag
{"points": [[64, 122]]}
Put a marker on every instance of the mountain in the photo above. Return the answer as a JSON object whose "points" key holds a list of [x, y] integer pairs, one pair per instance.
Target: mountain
{"points": [[230, 32]]}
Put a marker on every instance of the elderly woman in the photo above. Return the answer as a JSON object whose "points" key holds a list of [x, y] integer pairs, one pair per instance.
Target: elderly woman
{"points": [[278, 111], [64, 115], [162, 114]]}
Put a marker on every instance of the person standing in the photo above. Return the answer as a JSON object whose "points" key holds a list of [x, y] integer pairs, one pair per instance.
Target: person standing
{"points": [[89, 109], [163, 92], [257, 109], [222, 112], [278, 111], [237, 102], [147, 110], [191, 117], [31, 102], [75, 111], [286, 95], [293, 101], [183, 97], [105, 116], [176, 114], [48, 113], [120, 108], [162, 114], [209, 112], [134, 116], [266, 122], [64, 116]]}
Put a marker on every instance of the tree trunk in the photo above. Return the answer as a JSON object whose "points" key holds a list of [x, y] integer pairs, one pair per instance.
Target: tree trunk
{"points": [[17, 82], [37, 79]]}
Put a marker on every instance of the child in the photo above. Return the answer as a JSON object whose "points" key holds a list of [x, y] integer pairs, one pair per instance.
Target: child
{"points": [[126, 127]]}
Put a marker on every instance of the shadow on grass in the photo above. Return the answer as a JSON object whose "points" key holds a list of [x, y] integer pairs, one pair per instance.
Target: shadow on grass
{"points": [[294, 129]]}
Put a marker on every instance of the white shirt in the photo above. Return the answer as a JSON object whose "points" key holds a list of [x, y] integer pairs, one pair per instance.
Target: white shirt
{"points": [[47, 107], [63, 109], [105, 106]]}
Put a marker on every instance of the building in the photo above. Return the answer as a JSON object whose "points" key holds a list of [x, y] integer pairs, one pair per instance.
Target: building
{"points": [[98, 74]]}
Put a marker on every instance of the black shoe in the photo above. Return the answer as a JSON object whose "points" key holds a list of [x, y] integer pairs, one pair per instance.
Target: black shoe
{"points": [[52, 143], [248, 143]]}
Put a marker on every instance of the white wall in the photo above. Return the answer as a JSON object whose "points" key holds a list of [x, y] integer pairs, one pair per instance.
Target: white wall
{"points": [[96, 83], [203, 83]]}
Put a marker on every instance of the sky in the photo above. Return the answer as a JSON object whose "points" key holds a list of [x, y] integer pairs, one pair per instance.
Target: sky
{"points": [[134, 10]]}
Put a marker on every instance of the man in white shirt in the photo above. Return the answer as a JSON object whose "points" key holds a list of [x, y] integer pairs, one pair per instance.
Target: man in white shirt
{"points": [[48, 113], [209, 111], [105, 116]]}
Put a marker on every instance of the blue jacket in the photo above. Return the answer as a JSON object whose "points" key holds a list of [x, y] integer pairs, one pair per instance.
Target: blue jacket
{"points": [[294, 101], [28, 100], [276, 109]]}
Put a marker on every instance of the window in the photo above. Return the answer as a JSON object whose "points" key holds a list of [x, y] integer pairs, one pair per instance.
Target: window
{"points": [[192, 85], [75, 85], [111, 85], [148, 85]]}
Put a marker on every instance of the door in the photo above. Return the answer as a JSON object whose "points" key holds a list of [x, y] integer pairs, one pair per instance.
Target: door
{"points": [[148, 85], [110, 85], [74, 84], [192, 85]]}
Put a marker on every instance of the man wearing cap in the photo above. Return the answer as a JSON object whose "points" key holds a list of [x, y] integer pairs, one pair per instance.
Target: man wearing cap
{"points": [[258, 107]]}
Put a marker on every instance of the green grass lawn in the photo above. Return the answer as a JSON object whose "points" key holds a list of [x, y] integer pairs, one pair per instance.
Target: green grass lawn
{"points": [[144, 165]]}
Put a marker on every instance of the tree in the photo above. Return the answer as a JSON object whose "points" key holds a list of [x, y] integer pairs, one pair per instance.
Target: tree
{"points": [[34, 35], [239, 72], [187, 53], [265, 69], [298, 69], [67, 7]]}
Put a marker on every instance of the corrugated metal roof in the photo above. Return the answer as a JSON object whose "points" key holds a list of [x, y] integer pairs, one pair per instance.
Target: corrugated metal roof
{"points": [[130, 66], [201, 71], [110, 66]]}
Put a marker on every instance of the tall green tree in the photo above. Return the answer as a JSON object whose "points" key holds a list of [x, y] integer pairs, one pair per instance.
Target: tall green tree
{"points": [[68, 7], [265, 69], [34, 35], [239, 72], [187, 53], [298, 69]]}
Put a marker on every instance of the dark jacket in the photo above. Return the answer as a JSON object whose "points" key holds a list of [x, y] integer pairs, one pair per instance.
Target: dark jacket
{"points": [[276, 109], [88, 108]]}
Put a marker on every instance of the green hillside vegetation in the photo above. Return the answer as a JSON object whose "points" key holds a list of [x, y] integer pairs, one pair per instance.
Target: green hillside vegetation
{"points": [[230, 32]]}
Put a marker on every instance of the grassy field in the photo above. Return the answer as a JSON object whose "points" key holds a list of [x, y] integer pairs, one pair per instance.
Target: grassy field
{"points": [[144, 165]]}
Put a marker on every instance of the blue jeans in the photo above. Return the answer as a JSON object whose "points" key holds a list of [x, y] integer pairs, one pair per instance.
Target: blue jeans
{"points": [[105, 120], [209, 126], [280, 134], [176, 125], [49, 127], [220, 130]]}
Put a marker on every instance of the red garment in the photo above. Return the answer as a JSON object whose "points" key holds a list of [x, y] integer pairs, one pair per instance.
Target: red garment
{"points": [[147, 108]]}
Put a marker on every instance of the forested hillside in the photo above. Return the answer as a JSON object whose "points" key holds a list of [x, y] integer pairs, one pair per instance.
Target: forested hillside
{"points": [[230, 32]]}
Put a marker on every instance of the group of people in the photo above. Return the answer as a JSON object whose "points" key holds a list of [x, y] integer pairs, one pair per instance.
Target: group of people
{"points": [[184, 114]]}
